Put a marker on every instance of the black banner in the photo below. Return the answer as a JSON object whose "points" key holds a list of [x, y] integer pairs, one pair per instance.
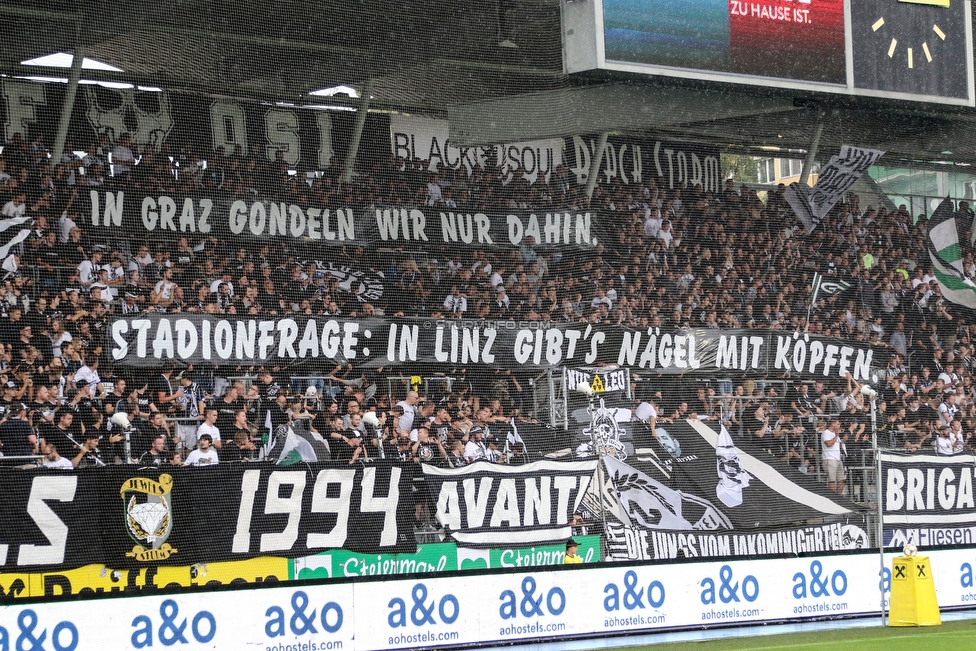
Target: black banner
{"points": [[485, 504], [123, 516], [634, 160], [702, 494], [223, 217], [307, 138], [601, 414], [922, 489], [628, 543], [193, 338]]}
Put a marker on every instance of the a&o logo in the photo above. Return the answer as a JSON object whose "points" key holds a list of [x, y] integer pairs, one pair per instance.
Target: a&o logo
{"points": [[149, 516]]}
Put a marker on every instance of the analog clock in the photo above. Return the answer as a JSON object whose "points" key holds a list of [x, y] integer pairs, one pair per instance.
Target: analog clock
{"points": [[916, 47], [910, 52]]}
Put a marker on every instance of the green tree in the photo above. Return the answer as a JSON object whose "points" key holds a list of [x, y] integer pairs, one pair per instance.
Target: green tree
{"points": [[741, 168]]}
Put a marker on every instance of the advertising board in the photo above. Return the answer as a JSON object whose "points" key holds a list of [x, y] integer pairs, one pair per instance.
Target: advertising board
{"points": [[474, 609], [437, 558], [434, 558]]}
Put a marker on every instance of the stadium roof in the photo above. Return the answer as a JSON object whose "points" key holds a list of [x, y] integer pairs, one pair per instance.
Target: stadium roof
{"points": [[445, 58]]}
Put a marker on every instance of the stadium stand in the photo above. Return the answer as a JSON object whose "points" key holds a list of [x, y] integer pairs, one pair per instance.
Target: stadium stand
{"points": [[683, 258]]}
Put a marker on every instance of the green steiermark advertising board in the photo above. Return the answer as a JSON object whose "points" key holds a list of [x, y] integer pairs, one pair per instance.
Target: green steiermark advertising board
{"points": [[433, 558]]}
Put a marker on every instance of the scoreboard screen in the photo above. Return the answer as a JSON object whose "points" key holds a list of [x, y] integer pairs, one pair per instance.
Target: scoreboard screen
{"points": [[901, 49], [794, 40]]}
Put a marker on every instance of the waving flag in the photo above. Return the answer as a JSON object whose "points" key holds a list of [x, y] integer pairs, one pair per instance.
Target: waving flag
{"points": [[11, 236], [947, 257], [827, 287], [833, 181]]}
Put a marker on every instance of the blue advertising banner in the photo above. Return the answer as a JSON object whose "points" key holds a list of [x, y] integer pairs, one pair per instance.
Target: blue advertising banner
{"points": [[525, 606]]}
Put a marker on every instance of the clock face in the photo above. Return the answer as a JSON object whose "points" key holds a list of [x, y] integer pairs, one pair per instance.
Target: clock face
{"points": [[911, 46]]}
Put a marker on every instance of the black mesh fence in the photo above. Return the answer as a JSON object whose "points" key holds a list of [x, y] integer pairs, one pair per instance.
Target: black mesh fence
{"points": [[234, 330]]}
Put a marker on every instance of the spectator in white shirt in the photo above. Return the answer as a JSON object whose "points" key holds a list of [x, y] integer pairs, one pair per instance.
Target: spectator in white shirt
{"points": [[163, 292], [65, 224], [949, 379], [404, 423], [141, 259], [88, 269], [497, 275], [456, 302], [209, 427], [54, 460], [434, 196], [16, 207], [665, 234], [652, 223], [947, 410], [123, 159], [475, 449], [944, 443], [204, 455]]}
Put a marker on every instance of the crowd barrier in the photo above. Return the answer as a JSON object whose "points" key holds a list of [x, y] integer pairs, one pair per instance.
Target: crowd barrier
{"points": [[481, 609]]}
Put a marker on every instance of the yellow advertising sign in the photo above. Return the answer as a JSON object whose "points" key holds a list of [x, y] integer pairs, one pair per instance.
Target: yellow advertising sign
{"points": [[96, 579]]}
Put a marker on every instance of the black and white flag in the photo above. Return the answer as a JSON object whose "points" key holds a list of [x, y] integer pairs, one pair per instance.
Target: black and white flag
{"points": [[11, 236], [835, 179], [827, 287], [718, 500], [642, 501]]}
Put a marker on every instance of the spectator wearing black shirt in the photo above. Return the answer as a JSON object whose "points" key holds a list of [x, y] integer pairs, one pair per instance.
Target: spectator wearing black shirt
{"points": [[64, 433], [10, 327], [162, 392], [157, 428], [89, 455], [803, 403], [349, 445], [9, 399], [23, 343], [268, 390], [241, 427], [227, 408], [156, 455], [43, 407], [822, 396], [758, 427], [82, 404], [16, 435], [140, 404], [440, 427], [114, 401], [404, 449], [427, 449], [928, 411], [278, 413], [242, 448]]}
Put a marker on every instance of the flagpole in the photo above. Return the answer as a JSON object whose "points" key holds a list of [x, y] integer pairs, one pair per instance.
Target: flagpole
{"points": [[815, 287], [599, 477], [586, 390], [873, 395]]}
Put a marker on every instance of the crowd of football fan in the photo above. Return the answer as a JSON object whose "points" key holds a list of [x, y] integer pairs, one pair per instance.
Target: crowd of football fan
{"points": [[682, 257]]}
